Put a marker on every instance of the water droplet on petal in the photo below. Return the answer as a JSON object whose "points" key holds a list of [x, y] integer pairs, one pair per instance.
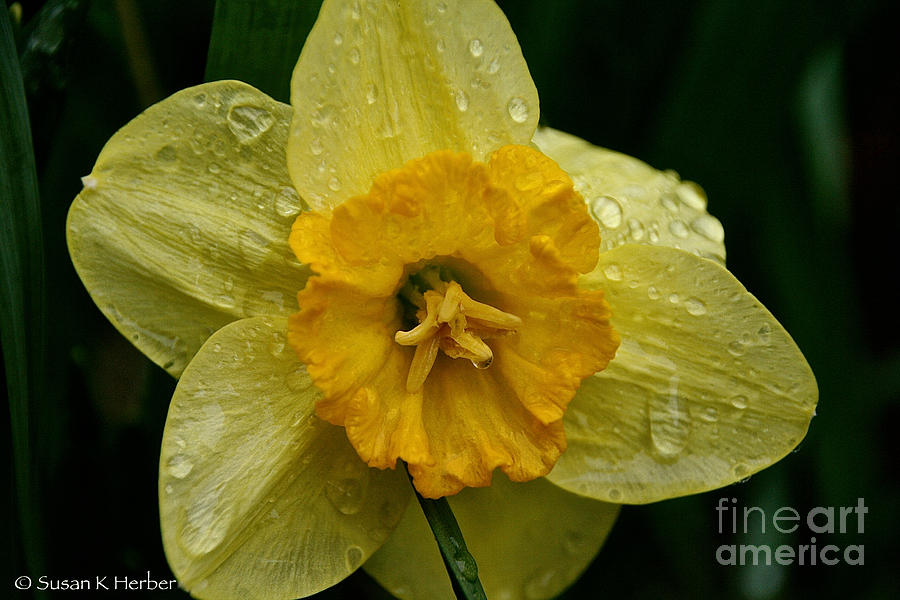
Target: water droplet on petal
{"points": [[635, 229], [338, 39], [371, 93], [334, 184], [323, 116], [691, 194], [179, 466], [709, 414], [517, 109], [674, 298], [462, 101], [493, 66], [476, 48], [354, 557], [613, 272], [287, 202], [441, 45], [214, 168], [736, 348], [653, 293], [669, 202], [709, 227], [248, 122], [679, 229], [614, 494], [354, 56], [346, 495], [669, 422], [207, 522], [739, 402], [695, 306], [607, 211], [764, 334]]}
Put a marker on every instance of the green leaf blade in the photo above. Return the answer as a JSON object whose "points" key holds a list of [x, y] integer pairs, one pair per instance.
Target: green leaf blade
{"points": [[22, 300], [259, 42]]}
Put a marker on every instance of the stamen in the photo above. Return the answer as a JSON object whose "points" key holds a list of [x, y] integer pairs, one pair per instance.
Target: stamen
{"points": [[422, 361], [450, 305], [427, 327], [468, 346], [488, 315], [454, 323], [417, 334]]}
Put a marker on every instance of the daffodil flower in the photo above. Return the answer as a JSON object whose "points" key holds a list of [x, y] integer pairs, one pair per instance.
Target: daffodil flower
{"points": [[473, 294]]}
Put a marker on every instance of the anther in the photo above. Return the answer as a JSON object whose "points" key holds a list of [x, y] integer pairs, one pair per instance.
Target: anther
{"points": [[454, 323]]}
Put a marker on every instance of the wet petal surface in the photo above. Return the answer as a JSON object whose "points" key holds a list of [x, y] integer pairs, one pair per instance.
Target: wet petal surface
{"points": [[259, 498], [182, 225], [706, 389], [382, 83], [633, 202]]}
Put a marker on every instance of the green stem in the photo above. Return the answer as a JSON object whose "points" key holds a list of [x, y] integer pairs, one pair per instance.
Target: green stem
{"points": [[460, 564], [22, 300]]}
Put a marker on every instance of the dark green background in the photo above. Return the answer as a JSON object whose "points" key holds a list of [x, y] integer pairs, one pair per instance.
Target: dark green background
{"points": [[785, 112]]}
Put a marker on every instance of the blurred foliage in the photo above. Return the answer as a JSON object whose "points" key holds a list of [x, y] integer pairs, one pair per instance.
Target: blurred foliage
{"points": [[782, 112]]}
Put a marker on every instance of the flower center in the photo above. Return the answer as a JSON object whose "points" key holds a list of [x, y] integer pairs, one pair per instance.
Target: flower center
{"points": [[450, 321]]}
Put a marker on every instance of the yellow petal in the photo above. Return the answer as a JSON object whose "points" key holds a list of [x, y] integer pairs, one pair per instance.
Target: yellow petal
{"points": [[706, 388], [530, 540], [633, 202], [258, 497], [381, 83], [182, 225]]}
